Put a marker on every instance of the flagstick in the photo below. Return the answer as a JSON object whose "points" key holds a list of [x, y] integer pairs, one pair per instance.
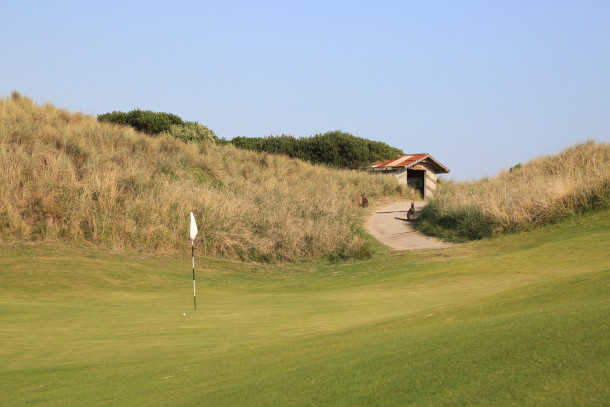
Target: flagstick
{"points": [[193, 234], [193, 255]]}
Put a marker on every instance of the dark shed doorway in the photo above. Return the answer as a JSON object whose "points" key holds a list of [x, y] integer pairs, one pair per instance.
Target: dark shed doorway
{"points": [[415, 180]]}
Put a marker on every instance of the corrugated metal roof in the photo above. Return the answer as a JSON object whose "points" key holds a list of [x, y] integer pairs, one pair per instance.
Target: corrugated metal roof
{"points": [[408, 160], [405, 160]]}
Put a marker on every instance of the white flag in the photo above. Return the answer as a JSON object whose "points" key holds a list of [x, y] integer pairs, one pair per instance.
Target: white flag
{"points": [[193, 227]]}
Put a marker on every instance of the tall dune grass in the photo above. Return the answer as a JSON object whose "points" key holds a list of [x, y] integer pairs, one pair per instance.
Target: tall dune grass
{"points": [[544, 190], [66, 177]]}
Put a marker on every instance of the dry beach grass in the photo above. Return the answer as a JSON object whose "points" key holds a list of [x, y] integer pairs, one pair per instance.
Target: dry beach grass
{"points": [[66, 177], [546, 189]]}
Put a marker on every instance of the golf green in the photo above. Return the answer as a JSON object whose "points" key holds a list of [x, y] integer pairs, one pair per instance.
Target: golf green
{"points": [[517, 320]]}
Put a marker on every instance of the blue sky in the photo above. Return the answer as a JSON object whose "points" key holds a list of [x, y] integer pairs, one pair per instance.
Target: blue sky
{"points": [[481, 85]]}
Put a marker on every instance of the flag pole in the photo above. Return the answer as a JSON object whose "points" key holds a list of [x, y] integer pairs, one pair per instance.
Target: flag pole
{"points": [[193, 256], [193, 234]]}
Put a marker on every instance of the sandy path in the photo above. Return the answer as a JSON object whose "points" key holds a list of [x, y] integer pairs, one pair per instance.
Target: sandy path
{"points": [[399, 234]]}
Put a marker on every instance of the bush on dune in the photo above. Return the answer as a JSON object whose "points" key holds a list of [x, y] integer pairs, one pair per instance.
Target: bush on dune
{"points": [[191, 132], [155, 123], [333, 148], [143, 120]]}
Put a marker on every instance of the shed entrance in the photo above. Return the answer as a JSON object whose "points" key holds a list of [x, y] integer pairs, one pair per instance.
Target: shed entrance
{"points": [[415, 180], [417, 171]]}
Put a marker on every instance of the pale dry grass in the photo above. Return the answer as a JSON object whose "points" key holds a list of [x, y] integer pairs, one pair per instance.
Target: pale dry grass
{"points": [[543, 190], [66, 177]]}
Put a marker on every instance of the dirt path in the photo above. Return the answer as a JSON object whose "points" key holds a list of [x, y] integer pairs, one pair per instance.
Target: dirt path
{"points": [[399, 234]]}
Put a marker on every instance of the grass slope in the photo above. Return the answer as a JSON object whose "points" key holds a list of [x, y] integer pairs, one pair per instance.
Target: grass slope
{"points": [[520, 319], [68, 178], [544, 190]]}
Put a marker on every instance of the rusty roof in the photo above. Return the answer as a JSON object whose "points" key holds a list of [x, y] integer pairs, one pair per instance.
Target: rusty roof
{"points": [[408, 161]]}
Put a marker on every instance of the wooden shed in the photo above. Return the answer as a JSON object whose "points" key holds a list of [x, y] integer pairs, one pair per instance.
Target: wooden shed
{"points": [[418, 171]]}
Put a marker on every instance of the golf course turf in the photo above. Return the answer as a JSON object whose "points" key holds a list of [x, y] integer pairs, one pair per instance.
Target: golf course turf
{"points": [[522, 319]]}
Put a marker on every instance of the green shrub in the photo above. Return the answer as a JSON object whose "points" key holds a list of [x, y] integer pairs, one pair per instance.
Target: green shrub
{"points": [[155, 123], [515, 167], [191, 132], [456, 224], [143, 120], [334, 148]]}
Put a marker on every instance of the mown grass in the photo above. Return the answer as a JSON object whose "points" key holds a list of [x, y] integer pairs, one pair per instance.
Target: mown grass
{"points": [[65, 177], [544, 190], [521, 319]]}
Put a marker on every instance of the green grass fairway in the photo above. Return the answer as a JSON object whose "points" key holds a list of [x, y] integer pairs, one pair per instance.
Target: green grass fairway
{"points": [[517, 320]]}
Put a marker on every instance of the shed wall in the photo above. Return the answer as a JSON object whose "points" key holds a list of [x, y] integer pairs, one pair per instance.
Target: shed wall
{"points": [[430, 182]]}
